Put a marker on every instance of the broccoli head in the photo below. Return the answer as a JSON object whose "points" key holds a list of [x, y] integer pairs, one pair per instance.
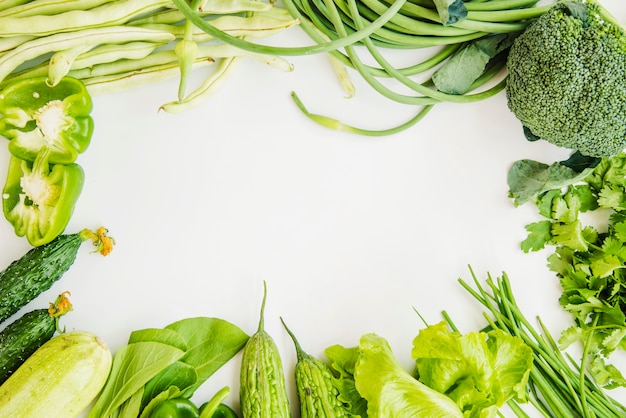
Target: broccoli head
{"points": [[567, 79]]}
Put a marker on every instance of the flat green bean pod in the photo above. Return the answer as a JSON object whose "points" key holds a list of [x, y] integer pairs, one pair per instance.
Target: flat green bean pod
{"points": [[7, 44], [115, 13], [50, 7], [209, 87], [7, 4], [110, 54], [111, 83], [61, 62], [62, 41]]}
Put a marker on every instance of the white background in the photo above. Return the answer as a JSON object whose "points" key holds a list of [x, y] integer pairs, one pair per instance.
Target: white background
{"points": [[351, 233]]}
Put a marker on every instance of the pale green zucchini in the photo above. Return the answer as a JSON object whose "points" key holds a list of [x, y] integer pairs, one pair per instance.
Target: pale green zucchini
{"points": [[60, 379]]}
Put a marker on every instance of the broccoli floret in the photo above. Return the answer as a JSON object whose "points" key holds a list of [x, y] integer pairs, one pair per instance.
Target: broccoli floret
{"points": [[567, 79]]}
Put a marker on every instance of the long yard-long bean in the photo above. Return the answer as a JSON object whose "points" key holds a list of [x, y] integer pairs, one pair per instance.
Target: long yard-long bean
{"points": [[118, 44], [417, 25], [100, 40]]}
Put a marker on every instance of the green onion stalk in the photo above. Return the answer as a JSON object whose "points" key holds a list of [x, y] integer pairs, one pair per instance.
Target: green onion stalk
{"points": [[117, 45], [558, 386], [350, 29]]}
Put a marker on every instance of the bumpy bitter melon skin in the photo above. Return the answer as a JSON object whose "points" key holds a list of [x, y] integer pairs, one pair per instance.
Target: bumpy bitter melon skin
{"points": [[316, 392], [318, 396], [262, 390], [21, 338], [35, 272]]}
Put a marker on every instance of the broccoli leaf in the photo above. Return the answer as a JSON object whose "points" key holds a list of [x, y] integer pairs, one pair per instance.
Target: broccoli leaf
{"points": [[579, 162], [458, 73], [451, 11], [528, 178]]}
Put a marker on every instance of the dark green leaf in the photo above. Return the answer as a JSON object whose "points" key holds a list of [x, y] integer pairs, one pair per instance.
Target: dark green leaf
{"points": [[460, 71], [579, 162], [528, 178], [451, 11], [530, 136]]}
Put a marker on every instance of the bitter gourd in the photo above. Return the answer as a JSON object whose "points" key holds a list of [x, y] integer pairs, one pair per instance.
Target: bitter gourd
{"points": [[314, 385], [262, 390]]}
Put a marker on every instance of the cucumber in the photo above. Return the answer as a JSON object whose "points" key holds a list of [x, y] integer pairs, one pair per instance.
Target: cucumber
{"points": [[37, 270], [20, 339], [59, 380]]}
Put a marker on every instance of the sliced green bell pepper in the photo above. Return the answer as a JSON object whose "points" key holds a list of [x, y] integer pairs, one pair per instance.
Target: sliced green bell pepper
{"points": [[39, 198], [222, 411], [34, 115], [175, 408]]}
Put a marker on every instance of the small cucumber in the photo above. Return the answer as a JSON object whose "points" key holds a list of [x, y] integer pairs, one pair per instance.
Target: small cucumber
{"points": [[59, 380], [37, 270], [21, 338], [318, 396], [262, 390]]}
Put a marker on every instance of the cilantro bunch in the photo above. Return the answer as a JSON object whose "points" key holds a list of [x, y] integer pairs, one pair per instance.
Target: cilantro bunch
{"points": [[585, 222]]}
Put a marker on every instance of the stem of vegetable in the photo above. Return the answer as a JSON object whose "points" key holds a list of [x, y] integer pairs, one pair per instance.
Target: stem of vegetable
{"points": [[558, 386], [197, 20]]}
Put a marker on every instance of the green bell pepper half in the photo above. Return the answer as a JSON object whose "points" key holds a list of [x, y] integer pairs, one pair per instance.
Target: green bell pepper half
{"points": [[175, 408], [222, 411], [38, 198], [34, 114]]}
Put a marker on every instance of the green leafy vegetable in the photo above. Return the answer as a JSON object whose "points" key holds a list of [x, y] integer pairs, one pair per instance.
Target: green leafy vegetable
{"points": [[133, 366], [451, 11], [390, 390], [479, 371], [588, 259], [528, 178], [458, 73], [558, 386], [470, 375], [343, 362], [161, 364]]}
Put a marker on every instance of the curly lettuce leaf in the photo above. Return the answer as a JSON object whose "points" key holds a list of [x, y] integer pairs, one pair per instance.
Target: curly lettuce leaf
{"points": [[390, 390], [343, 362], [479, 371]]}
